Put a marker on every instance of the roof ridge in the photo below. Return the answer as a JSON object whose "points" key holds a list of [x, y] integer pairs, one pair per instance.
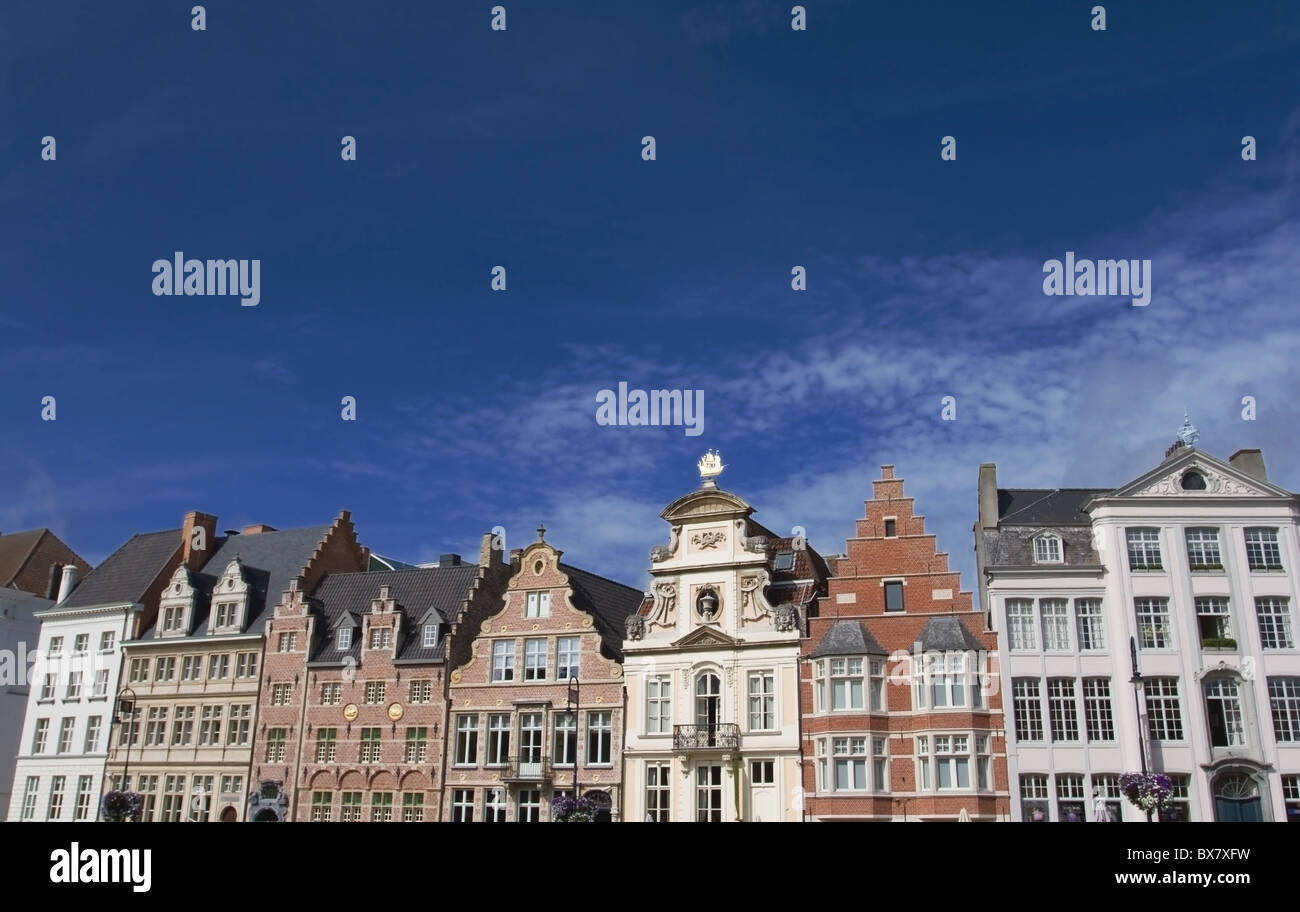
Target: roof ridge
{"points": [[1048, 493], [569, 567]]}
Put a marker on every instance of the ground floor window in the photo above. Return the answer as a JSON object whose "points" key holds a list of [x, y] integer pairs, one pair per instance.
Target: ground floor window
{"points": [[381, 807], [1069, 798], [321, 806], [1291, 795], [1033, 799], [350, 807], [658, 792], [1107, 806], [529, 806], [708, 794], [462, 805], [1180, 803], [412, 807], [494, 806]]}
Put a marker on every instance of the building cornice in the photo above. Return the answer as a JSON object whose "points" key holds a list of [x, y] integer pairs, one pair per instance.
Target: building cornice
{"points": [[58, 614]]}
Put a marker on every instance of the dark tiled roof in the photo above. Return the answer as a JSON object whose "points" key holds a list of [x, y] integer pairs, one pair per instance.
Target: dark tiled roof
{"points": [[1045, 507], [15, 549], [126, 574], [608, 602], [848, 638], [948, 634], [343, 597]]}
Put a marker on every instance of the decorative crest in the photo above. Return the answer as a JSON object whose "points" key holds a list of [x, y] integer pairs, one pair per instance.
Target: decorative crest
{"points": [[711, 467], [1188, 433]]}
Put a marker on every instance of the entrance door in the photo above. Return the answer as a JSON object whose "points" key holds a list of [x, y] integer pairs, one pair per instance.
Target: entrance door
{"points": [[1236, 799], [708, 794], [708, 701]]}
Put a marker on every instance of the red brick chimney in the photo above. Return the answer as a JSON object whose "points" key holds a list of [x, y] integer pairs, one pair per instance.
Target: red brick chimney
{"points": [[197, 537], [258, 529]]}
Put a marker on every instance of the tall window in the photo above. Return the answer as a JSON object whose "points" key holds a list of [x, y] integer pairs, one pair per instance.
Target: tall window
{"points": [[1213, 620], [1223, 706], [280, 694], [371, 745], [947, 679], [173, 804], [1290, 795], [65, 735], [566, 662], [326, 744], [564, 750], [1274, 615], [850, 755], [498, 739], [1091, 627], [55, 811], [1163, 714], [494, 805], [534, 660], [139, 670], [172, 618], [658, 792], [430, 636], [529, 806], [462, 805], [381, 807], [93, 725], [952, 761], [107, 640], [1027, 709], [289, 642], [149, 788], [708, 794], [1062, 709], [1203, 549], [503, 660], [1262, 551], [1180, 801], [879, 764], [81, 810], [538, 605], [219, 667], [599, 734], [417, 745], [762, 701], [893, 596], [1033, 798], [1144, 549], [345, 638], [983, 763], [1153, 623], [1069, 798], [101, 683], [183, 726], [155, 729], [29, 797], [847, 684], [1056, 624], [210, 726], [1020, 624], [74, 685], [241, 716], [466, 740], [275, 744], [1047, 549], [200, 809], [1097, 714], [164, 668], [47, 690], [226, 614], [530, 743], [246, 665], [659, 705], [191, 667], [1284, 701]]}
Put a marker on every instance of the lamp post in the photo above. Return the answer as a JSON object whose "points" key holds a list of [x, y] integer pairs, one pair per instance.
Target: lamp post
{"points": [[126, 707], [1136, 681], [573, 700]]}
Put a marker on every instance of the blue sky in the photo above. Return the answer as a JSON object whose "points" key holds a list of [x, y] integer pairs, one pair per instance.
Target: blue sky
{"points": [[775, 148]]}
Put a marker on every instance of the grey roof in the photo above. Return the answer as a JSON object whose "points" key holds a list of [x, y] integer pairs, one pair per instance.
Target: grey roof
{"points": [[848, 638], [608, 602], [1045, 507], [341, 597], [126, 574], [947, 633]]}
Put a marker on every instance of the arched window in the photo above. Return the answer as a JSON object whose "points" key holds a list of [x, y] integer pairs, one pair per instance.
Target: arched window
{"points": [[1047, 549]]}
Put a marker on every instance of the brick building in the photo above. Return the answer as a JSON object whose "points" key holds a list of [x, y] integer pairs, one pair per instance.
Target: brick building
{"points": [[516, 737], [195, 667], [33, 561], [901, 709]]}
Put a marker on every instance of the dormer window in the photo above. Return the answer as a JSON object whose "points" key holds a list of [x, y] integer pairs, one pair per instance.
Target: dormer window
{"points": [[1047, 549], [381, 638], [345, 638], [430, 635], [174, 619], [783, 561], [227, 615]]}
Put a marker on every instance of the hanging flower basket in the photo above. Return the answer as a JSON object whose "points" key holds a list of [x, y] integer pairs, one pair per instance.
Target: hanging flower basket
{"points": [[123, 807], [1147, 791]]}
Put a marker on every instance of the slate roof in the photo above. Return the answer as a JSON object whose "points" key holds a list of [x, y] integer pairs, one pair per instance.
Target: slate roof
{"points": [[126, 574], [946, 633], [608, 602], [848, 638], [342, 598], [1045, 507], [15, 549]]}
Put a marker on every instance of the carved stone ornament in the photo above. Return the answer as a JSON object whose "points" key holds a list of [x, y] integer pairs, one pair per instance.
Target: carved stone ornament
{"points": [[1215, 483], [665, 604], [661, 553], [635, 626], [786, 618], [707, 541]]}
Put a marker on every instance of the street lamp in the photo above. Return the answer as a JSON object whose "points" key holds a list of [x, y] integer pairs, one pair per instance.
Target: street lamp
{"points": [[1136, 681], [572, 702], [126, 707]]}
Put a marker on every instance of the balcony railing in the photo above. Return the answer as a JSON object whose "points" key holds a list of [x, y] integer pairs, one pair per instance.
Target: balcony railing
{"points": [[527, 770], [723, 736]]}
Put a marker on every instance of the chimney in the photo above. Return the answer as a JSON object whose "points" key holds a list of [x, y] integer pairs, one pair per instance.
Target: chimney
{"points": [[52, 585], [258, 529], [69, 581], [988, 495], [197, 535], [448, 560], [1249, 461]]}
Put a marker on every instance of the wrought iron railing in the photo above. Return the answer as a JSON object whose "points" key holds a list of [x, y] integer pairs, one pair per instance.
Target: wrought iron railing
{"points": [[527, 770], [721, 736]]}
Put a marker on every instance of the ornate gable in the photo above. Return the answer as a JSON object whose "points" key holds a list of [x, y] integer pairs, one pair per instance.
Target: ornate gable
{"points": [[705, 638], [1197, 474]]}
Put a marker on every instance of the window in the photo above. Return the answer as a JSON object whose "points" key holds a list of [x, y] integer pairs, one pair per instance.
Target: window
{"points": [[29, 797], [564, 749], [530, 806], [39, 736], [321, 806], [1284, 700], [370, 745], [947, 679], [280, 694], [503, 660], [1262, 552], [381, 807], [891, 528], [232, 785], [139, 671], [421, 692], [375, 691], [326, 744], [494, 805], [498, 740], [1047, 549], [462, 805], [1105, 790], [1223, 705], [149, 788], [101, 684], [1214, 623], [289, 642], [534, 660], [659, 705], [417, 745], [183, 726], [128, 733], [74, 686], [173, 803], [1062, 710], [1203, 549], [708, 794], [599, 735], [1163, 715], [1020, 624], [412, 808], [93, 726], [1099, 720], [762, 772], [1290, 794], [55, 810], [331, 694], [155, 729], [1027, 709], [762, 701], [658, 792], [246, 665], [983, 763], [381, 638], [783, 562], [1056, 625], [164, 668], [275, 741], [201, 799], [847, 684], [56, 646], [894, 596], [47, 690], [850, 755], [1033, 798], [66, 728], [1090, 626], [879, 764], [567, 651], [1179, 800], [173, 618], [430, 636], [1069, 798], [537, 605], [227, 615], [108, 641], [466, 740], [1274, 615], [350, 807], [1153, 623], [952, 761], [210, 726], [344, 638], [191, 668], [1144, 549], [219, 667], [241, 716], [1193, 481]]}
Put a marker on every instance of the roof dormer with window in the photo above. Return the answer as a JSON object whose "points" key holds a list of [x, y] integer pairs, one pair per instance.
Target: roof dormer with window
{"points": [[229, 600], [176, 606], [1048, 548]]}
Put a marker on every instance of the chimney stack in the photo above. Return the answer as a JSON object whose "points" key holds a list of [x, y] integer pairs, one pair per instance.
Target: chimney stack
{"points": [[449, 560], [52, 585], [1249, 461], [258, 529], [988, 488], [69, 581], [197, 536]]}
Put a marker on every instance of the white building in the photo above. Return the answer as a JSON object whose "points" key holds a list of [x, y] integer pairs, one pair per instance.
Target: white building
{"points": [[63, 747], [19, 629], [711, 666], [1189, 571]]}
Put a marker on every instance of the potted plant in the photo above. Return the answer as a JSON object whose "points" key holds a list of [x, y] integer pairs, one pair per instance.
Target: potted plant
{"points": [[567, 809], [122, 807], [1147, 791]]}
